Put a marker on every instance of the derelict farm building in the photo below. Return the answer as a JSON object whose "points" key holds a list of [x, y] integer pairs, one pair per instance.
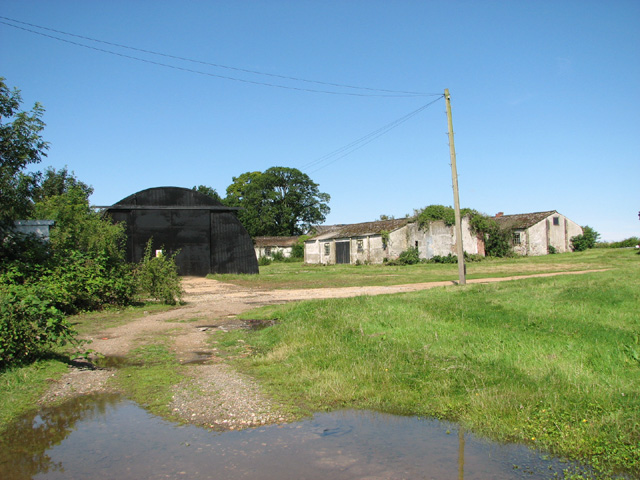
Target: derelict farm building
{"points": [[538, 233], [207, 235], [270, 246], [373, 242]]}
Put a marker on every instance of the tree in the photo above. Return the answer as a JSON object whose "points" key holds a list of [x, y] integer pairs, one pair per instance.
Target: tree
{"points": [[20, 146], [58, 182], [281, 201], [587, 240], [211, 192]]}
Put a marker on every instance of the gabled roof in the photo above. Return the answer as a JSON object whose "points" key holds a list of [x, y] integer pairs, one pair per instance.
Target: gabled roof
{"points": [[522, 220], [275, 241], [363, 229]]}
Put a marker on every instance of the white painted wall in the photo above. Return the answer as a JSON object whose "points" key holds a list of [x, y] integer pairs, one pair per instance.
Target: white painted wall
{"points": [[536, 239], [437, 239]]}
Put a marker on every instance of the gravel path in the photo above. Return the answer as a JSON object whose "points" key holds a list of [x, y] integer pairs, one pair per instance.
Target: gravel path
{"points": [[212, 394]]}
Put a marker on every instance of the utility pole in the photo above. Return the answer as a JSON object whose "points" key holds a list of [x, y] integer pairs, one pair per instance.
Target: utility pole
{"points": [[456, 199]]}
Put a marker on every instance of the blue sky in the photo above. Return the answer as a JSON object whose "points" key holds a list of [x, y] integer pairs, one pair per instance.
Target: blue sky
{"points": [[545, 98]]}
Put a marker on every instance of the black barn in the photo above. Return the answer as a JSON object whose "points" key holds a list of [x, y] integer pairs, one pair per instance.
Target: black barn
{"points": [[207, 234]]}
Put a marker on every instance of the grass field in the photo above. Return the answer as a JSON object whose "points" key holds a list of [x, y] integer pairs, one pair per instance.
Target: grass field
{"points": [[550, 362], [297, 275]]}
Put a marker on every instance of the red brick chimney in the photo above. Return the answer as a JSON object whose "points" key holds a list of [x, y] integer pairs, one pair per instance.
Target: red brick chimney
{"points": [[499, 214]]}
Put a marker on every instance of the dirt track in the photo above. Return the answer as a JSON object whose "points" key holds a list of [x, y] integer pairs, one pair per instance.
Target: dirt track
{"points": [[223, 399]]}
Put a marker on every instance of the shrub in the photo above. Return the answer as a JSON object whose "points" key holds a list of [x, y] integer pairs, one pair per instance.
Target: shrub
{"points": [[29, 325], [277, 256], [473, 257], [552, 250], [264, 261], [297, 251], [157, 277], [588, 239], [444, 259], [78, 281], [626, 243], [410, 256]]}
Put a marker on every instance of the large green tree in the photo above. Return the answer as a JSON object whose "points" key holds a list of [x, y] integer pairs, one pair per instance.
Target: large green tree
{"points": [[20, 146], [280, 201]]}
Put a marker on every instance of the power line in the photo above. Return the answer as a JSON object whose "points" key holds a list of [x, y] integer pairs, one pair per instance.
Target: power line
{"points": [[342, 152], [382, 92]]}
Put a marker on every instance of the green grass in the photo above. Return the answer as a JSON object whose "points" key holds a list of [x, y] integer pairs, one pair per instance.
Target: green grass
{"points": [[297, 275], [550, 362], [150, 376], [21, 387]]}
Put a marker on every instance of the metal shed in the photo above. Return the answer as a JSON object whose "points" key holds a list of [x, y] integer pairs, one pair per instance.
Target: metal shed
{"points": [[207, 234]]}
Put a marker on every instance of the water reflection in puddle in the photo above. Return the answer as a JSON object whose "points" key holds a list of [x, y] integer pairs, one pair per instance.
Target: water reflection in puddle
{"points": [[106, 437]]}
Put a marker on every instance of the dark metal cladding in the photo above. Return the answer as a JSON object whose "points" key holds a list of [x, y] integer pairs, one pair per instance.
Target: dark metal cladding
{"points": [[208, 235]]}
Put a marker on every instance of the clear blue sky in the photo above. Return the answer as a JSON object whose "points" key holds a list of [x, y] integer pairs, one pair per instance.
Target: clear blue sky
{"points": [[545, 98]]}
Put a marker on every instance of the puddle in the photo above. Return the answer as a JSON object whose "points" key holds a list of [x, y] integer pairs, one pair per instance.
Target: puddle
{"points": [[199, 358], [111, 361], [106, 437], [258, 324]]}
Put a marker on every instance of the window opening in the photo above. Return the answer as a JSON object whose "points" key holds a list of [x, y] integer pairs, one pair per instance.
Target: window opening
{"points": [[516, 238]]}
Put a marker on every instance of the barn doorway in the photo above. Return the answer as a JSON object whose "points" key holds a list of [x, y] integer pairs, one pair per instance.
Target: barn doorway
{"points": [[343, 252]]}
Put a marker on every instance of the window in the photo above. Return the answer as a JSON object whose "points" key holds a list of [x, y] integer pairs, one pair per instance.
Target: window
{"points": [[416, 243], [360, 244], [267, 251], [516, 238], [327, 249], [556, 220]]}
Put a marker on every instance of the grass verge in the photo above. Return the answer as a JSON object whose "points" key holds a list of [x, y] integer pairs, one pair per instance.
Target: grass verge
{"points": [[550, 362]]}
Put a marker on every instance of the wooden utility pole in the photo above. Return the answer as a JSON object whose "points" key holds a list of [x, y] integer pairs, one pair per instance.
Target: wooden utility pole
{"points": [[456, 199]]}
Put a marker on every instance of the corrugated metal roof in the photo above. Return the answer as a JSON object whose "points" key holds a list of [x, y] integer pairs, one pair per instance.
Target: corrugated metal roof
{"points": [[522, 220]]}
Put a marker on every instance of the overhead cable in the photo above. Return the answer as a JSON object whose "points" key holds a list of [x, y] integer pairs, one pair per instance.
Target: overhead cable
{"points": [[381, 92], [342, 152]]}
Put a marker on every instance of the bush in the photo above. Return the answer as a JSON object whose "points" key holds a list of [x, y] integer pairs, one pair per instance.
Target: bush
{"points": [[277, 256], [410, 256], [588, 239], [79, 282], [158, 277], [297, 251], [626, 243], [264, 261], [29, 325], [442, 259]]}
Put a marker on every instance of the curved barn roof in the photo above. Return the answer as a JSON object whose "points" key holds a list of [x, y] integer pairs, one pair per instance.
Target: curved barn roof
{"points": [[170, 197]]}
